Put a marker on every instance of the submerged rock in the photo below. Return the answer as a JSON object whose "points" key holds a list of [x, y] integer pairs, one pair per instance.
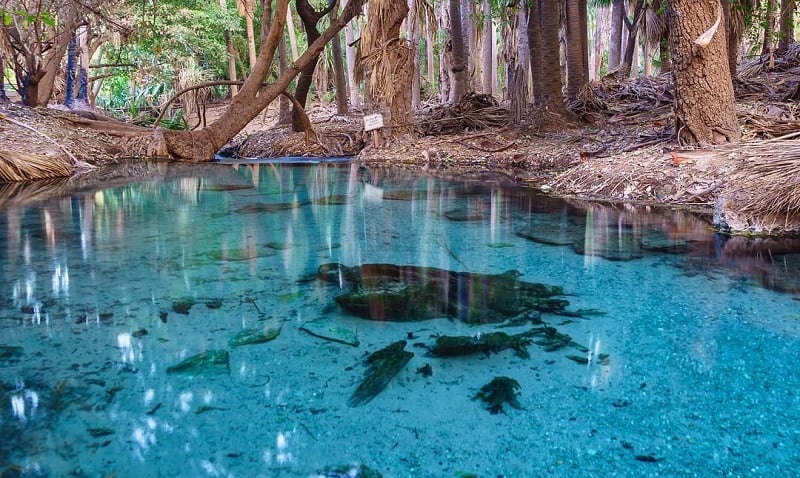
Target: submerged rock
{"points": [[10, 353], [254, 336], [257, 208], [409, 293], [182, 306], [205, 363], [613, 244], [454, 346], [383, 366], [553, 234], [497, 392]]}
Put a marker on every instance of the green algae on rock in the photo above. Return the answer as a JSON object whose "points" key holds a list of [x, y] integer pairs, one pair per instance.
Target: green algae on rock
{"points": [[254, 336], [497, 392], [383, 364], [10, 353], [410, 293], [204, 363], [454, 346]]}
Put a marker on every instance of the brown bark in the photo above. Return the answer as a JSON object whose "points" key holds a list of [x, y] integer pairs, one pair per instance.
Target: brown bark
{"points": [[534, 31], [387, 59], [549, 57], [786, 25], [253, 97], [768, 46], [458, 49], [577, 50], [309, 16], [487, 43], [615, 45], [704, 101], [339, 73]]}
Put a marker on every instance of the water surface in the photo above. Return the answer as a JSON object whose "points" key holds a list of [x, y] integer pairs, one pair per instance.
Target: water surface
{"points": [[681, 357]]}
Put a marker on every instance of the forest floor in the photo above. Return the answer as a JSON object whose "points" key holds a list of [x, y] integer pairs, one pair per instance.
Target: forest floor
{"points": [[619, 147]]}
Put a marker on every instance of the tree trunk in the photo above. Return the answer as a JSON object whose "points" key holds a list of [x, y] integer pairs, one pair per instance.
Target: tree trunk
{"points": [[249, 7], [632, 27], [615, 44], [309, 16], [446, 75], [388, 61], [253, 97], [83, 67], [704, 101], [549, 57], [350, 53], [231, 53], [576, 55], [469, 33], [534, 30], [292, 36], [284, 104], [458, 49], [339, 73], [768, 46], [487, 44], [430, 62], [71, 70], [414, 35], [786, 25]]}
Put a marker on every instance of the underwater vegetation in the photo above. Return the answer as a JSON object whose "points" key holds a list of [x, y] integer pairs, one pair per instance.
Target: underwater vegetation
{"points": [[254, 336], [331, 333], [10, 353], [497, 392], [410, 293], [383, 365], [204, 363]]}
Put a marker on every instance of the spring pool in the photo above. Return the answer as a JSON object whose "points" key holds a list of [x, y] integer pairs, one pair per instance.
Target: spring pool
{"points": [[331, 320]]}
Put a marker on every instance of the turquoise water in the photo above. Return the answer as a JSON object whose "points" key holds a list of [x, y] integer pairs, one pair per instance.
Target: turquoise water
{"points": [[681, 358]]}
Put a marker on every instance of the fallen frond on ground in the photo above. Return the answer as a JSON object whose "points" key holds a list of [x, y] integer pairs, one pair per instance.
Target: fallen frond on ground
{"points": [[763, 193], [16, 166], [473, 112]]}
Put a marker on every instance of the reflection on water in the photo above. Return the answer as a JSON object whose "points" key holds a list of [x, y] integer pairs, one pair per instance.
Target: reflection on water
{"points": [[330, 320]]}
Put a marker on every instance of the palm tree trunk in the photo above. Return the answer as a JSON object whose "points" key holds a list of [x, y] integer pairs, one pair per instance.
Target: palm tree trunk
{"points": [[534, 31], [615, 44], [549, 57], [487, 44], [457, 47], [768, 46], [576, 55], [786, 25]]}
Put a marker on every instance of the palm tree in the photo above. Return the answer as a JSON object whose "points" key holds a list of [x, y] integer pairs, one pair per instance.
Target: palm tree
{"points": [[458, 48]]}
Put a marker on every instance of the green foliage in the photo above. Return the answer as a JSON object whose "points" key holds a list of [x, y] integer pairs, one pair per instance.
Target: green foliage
{"points": [[174, 44]]}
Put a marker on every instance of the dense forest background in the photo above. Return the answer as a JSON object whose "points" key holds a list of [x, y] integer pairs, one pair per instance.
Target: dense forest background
{"points": [[134, 58]]}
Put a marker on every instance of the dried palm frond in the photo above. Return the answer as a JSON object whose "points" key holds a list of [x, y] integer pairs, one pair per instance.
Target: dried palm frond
{"points": [[387, 59], [16, 166], [767, 184], [654, 24], [472, 112]]}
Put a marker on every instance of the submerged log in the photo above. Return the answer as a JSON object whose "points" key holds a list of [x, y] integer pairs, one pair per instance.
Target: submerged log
{"points": [[409, 293]]}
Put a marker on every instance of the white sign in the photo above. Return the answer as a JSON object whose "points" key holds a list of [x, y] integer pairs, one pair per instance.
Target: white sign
{"points": [[372, 122]]}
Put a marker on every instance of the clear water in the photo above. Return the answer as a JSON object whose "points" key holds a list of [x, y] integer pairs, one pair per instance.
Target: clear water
{"points": [[702, 335]]}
